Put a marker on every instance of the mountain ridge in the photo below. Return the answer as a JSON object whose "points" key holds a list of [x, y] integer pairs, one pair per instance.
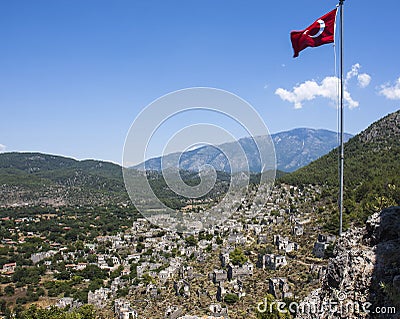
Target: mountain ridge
{"points": [[294, 149], [46, 179]]}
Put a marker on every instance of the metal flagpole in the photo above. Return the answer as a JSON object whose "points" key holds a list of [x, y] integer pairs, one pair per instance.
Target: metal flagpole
{"points": [[341, 122]]}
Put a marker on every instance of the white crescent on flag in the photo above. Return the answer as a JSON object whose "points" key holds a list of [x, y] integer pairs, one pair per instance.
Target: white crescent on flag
{"points": [[321, 29]]}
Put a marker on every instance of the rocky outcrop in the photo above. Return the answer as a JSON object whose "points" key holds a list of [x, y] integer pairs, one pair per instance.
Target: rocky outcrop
{"points": [[363, 279], [379, 133]]}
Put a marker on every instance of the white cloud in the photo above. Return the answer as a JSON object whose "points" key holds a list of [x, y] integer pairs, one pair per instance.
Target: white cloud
{"points": [[310, 90], [355, 69], [350, 102], [328, 88], [391, 92], [2, 148], [364, 80]]}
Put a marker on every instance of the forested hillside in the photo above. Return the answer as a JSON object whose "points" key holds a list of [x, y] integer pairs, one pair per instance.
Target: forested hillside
{"points": [[371, 173]]}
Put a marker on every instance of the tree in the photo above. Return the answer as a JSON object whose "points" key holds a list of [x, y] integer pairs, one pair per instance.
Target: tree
{"points": [[139, 247], [95, 284], [231, 299], [329, 251], [86, 312], [93, 272], [91, 258], [191, 240], [34, 312], [3, 305], [28, 275], [9, 290], [81, 295], [147, 279], [237, 257], [122, 292], [63, 275]]}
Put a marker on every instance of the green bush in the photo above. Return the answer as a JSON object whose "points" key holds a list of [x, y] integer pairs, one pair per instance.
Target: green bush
{"points": [[231, 299]]}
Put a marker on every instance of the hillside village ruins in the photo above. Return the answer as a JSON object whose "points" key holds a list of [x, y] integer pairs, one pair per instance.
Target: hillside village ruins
{"points": [[157, 263]]}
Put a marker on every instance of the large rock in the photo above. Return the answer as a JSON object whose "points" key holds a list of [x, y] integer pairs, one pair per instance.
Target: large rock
{"points": [[396, 283], [364, 273]]}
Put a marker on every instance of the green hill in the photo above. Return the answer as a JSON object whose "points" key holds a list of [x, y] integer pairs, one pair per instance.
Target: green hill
{"points": [[49, 169], [42, 179], [34, 178], [371, 170]]}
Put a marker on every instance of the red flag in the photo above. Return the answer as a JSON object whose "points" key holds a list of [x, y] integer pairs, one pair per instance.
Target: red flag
{"points": [[320, 32]]}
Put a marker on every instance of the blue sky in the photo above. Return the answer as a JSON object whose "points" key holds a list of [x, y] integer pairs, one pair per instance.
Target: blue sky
{"points": [[75, 74]]}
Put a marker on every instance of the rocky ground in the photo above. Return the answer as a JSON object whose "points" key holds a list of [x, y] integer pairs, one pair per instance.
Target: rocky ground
{"points": [[363, 279]]}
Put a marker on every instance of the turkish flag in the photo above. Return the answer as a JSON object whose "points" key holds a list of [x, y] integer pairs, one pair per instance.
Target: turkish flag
{"points": [[320, 32]]}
